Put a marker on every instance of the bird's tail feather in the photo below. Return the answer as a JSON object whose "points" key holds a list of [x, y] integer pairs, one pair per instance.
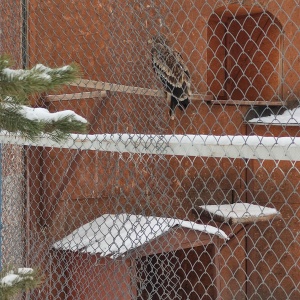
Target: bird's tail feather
{"points": [[181, 104], [184, 104]]}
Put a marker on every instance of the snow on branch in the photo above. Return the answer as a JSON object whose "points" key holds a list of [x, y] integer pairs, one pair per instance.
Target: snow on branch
{"points": [[15, 114], [21, 279], [19, 84], [43, 114]]}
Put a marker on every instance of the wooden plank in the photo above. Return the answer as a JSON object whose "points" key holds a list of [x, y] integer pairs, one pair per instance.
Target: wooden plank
{"points": [[113, 87], [106, 86], [201, 97], [76, 96], [240, 213], [244, 102], [217, 277], [176, 238]]}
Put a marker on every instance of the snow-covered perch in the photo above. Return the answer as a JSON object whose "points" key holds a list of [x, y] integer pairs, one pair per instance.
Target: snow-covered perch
{"points": [[113, 235], [240, 146], [238, 213]]}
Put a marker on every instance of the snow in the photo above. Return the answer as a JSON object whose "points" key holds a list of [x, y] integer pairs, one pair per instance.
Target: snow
{"points": [[21, 74], [25, 271], [38, 71], [43, 114], [240, 210], [191, 140], [12, 73], [288, 117], [10, 279], [116, 234]]}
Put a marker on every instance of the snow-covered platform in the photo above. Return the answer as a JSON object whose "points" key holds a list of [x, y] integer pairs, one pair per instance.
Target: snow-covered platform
{"points": [[238, 213]]}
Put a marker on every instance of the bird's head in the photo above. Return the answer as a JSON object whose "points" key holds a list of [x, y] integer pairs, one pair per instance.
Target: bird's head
{"points": [[158, 39]]}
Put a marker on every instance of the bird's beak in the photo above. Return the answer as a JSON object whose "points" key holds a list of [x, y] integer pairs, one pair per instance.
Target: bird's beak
{"points": [[150, 41]]}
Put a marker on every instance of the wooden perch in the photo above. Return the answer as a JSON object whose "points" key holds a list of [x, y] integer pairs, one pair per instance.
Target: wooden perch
{"points": [[244, 102], [105, 86], [76, 96]]}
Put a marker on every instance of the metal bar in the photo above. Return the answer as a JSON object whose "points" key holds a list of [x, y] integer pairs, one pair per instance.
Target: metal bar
{"points": [[24, 35]]}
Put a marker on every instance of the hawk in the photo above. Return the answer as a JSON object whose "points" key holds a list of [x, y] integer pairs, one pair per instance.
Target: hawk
{"points": [[170, 68]]}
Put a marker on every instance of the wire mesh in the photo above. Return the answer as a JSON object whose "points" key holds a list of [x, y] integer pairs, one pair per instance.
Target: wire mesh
{"points": [[101, 215]]}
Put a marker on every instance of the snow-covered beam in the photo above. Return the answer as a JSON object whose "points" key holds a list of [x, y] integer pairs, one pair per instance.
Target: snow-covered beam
{"points": [[249, 147]]}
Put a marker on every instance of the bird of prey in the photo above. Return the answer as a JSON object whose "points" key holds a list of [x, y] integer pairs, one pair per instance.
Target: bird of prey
{"points": [[170, 68]]}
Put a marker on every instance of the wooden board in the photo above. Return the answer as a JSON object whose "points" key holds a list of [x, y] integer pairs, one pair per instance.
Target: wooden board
{"points": [[244, 102], [113, 87], [176, 238], [237, 213], [76, 96]]}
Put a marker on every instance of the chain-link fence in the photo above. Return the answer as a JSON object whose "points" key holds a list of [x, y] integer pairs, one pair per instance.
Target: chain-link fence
{"points": [[187, 185]]}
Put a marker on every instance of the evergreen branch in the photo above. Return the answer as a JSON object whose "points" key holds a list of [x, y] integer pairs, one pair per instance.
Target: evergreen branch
{"points": [[59, 129], [13, 281], [13, 118], [22, 83], [4, 61], [31, 123]]}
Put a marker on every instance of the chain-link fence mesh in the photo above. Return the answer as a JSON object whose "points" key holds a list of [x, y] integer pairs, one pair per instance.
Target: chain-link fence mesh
{"points": [[101, 214]]}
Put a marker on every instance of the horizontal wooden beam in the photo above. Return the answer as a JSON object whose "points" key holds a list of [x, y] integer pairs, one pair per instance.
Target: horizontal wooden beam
{"points": [[244, 102], [113, 87], [176, 238], [247, 147], [76, 96], [106, 86]]}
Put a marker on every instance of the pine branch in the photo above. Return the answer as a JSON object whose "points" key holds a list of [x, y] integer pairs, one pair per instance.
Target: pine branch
{"points": [[13, 281], [59, 130], [23, 120], [12, 120], [19, 84]]}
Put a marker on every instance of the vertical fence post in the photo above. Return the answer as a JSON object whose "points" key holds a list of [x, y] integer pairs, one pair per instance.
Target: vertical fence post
{"points": [[24, 11], [1, 225]]}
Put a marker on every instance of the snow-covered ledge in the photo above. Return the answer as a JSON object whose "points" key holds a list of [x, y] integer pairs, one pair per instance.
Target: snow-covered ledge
{"points": [[290, 117], [240, 146], [238, 213]]}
